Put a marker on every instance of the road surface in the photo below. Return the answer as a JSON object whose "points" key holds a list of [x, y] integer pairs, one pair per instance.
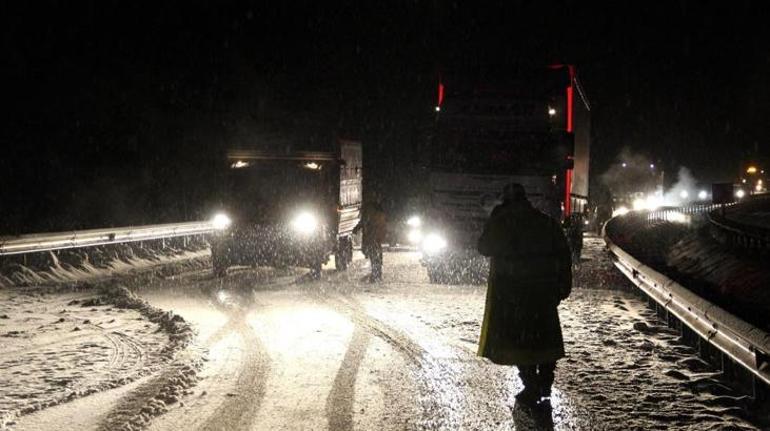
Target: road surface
{"points": [[275, 351]]}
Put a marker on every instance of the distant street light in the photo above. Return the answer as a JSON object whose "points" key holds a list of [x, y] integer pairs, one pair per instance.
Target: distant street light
{"points": [[551, 111], [624, 164], [652, 166], [703, 195], [438, 108], [740, 194], [684, 194]]}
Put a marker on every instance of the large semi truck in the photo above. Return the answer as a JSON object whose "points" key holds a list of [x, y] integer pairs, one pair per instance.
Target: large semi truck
{"points": [[293, 208], [531, 127]]}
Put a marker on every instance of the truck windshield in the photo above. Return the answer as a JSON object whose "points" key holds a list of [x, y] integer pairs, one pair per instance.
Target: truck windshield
{"points": [[261, 188]]}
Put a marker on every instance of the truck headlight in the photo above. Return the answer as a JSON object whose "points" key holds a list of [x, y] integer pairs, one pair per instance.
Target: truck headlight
{"points": [[414, 221], [433, 243], [305, 223], [414, 236], [221, 221]]}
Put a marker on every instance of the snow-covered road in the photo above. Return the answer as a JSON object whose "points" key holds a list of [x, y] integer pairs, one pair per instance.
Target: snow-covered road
{"points": [[341, 354]]}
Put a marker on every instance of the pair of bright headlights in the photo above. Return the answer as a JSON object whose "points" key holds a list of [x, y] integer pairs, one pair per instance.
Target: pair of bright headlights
{"points": [[304, 222], [430, 243]]}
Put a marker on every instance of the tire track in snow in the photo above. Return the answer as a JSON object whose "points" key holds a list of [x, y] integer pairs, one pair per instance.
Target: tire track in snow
{"points": [[440, 398], [238, 412], [339, 402], [137, 408]]}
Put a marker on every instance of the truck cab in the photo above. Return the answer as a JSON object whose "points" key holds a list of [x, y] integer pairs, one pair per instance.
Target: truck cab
{"points": [[293, 208], [531, 127]]}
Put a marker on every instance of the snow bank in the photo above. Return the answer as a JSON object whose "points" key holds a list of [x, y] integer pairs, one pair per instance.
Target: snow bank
{"points": [[62, 346], [94, 263]]}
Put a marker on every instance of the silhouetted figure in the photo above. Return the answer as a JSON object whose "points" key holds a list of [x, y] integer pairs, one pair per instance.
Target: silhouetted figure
{"points": [[530, 273], [374, 226], [603, 213]]}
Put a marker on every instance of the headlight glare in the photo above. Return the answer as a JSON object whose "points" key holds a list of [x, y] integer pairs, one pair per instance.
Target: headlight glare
{"points": [[414, 221], [221, 221], [305, 223], [414, 236], [433, 243]]}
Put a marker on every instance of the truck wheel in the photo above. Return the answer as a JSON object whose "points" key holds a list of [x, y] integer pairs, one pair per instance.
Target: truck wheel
{"points": [[219, 262], [315, 271], [219, 266], [344, 254]]}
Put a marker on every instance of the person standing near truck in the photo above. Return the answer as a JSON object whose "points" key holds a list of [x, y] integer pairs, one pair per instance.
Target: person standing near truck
{"points": [[374, 226], [530, 273]]}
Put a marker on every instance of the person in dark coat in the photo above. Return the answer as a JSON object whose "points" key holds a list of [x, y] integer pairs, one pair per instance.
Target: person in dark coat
{"points": [[374, 226], [530, 273]]}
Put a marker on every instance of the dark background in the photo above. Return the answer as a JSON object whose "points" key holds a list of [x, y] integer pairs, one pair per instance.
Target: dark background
{"points": [[114, 112]]}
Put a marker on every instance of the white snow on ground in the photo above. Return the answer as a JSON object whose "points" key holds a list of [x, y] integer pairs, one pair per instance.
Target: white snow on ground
{"points": [[623, 365], [343, 354], [57, 347]]}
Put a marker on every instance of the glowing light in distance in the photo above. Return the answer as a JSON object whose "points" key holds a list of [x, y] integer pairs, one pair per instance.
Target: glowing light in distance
{"points": [[414, 221], [758, 187], [703, 195], [551, 111], [740, 194], [433, 243], [222, 296], [305, 223], [312, 166], [684, 194], [652, 166], [414, 236], [620, 212], [438, 109], [624, 164], [653, 202], [639, 204], [240, 164], [221, 221], [751, 170]]}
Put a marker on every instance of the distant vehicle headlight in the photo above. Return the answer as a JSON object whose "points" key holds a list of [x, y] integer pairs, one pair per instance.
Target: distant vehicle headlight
{"points": [[433, 243], [221, 221], [414, 221], [305, 223], [414, 236]]}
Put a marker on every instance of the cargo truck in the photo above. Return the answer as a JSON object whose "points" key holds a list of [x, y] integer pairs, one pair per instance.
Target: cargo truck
{"points": [[288, 208]]}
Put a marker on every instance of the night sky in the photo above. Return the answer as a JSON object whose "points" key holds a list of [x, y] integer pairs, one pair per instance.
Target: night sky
{"points": [[114, 110]]}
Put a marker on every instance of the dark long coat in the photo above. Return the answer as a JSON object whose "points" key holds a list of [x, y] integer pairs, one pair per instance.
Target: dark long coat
{"points": [[530, 273], [374, 225]]}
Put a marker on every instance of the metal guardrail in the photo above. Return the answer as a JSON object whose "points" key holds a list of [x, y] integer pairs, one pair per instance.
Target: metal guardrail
{"points": [[744, 343], [675, 213], [12, 245], [734, 233]]}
